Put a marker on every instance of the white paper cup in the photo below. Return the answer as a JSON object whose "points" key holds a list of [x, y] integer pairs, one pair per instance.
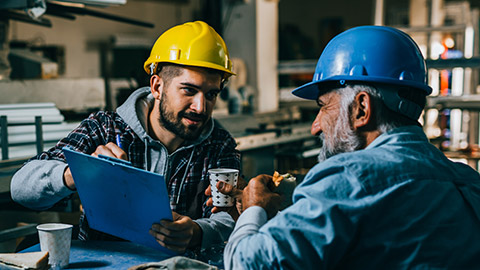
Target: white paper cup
{"points": [[56, 239], [229, 176]]}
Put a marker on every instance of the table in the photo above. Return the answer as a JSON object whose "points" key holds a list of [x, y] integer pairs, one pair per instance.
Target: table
{"points": [[108, 254]]}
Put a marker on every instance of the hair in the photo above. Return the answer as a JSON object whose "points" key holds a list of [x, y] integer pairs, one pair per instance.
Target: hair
{"points": [[168, 71], [385, 118]]}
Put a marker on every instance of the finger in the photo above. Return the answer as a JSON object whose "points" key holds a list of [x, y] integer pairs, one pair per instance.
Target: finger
{"points": [[103, 150], [176, 215], [209, 201], [158, 228], [180, 223], [217, 209], [110, 150], [168, 233], [116, 151], [169, 237], [175, 244], [263, 178], [262, 183], [208, 191], [228, 189]]}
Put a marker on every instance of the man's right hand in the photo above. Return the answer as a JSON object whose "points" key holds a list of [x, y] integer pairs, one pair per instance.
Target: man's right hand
{"points": [[110, 149], [258, 193]]}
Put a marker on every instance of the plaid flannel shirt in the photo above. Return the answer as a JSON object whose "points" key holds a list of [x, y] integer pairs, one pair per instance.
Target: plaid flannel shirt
{"points": [[218, 150]]}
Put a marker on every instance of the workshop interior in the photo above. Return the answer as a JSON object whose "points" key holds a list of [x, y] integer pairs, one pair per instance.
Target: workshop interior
{"points": [[62, 60]]}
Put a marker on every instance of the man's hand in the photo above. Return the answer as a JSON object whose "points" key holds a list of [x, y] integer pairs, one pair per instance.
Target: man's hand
{"points": [[110, 149], [258, 193], [68, 179], [177, 235], [227, 189], [230, 190]]}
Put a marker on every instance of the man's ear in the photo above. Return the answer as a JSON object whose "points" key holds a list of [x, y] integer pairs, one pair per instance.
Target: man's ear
{"points": [[362, 114], [156, 86]]}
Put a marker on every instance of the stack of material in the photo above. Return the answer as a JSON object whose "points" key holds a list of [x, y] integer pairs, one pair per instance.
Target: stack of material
{"points": [[23, 133]]}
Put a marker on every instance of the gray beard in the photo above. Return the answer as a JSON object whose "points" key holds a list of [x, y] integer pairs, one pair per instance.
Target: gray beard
{"points": [[343, 139]]}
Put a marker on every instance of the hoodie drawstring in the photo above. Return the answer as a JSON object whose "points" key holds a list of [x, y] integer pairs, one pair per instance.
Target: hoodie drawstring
{"points": [[185, 175], [146, 155]]}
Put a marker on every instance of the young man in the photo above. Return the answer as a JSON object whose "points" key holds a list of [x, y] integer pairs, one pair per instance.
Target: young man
{"points": [[166, 128], [382, 196]]}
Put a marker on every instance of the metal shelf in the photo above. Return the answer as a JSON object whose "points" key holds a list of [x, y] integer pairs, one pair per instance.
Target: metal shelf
{"points": [[297, 66], [466, 102], [473, 62]]}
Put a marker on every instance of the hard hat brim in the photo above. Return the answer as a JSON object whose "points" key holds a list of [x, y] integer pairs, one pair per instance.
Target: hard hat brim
{"points": [[311, 90], [307, 91], [200, 64]]}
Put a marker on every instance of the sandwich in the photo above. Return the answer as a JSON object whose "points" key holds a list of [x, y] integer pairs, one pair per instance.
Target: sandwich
{"points": [[284, 184], [27, 260]]}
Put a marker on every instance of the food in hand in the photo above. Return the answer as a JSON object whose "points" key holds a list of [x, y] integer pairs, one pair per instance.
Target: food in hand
{"points": [[284, 184]]}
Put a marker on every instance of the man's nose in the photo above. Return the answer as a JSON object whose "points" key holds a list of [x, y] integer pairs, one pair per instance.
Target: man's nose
{"points": [[316, 129], [199, 103]]}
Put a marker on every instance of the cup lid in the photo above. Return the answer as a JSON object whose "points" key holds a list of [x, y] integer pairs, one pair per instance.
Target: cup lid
{"points": [[53, 226], [223, 170]]}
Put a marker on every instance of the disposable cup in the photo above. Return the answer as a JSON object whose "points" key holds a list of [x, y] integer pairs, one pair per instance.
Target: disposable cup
{"points": [[229, 176], [56, 238]]}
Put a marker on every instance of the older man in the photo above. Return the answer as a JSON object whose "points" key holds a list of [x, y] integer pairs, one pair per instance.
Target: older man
{"points": [[166, 128], [382, 197]]}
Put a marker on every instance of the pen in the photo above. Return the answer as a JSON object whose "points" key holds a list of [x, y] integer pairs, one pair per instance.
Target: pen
{"points": [[119, 142]]}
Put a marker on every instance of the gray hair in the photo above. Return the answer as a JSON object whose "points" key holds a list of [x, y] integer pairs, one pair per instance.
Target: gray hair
{"points": [[384, 118]]}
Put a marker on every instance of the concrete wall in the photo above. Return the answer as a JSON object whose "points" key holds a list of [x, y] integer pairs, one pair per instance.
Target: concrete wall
{"points": [[308, 16], [82, 36], [267, 55], [251, 33], [240, 36]]}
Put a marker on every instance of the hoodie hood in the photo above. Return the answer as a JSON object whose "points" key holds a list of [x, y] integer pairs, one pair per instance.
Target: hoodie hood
{"points": [[135, 112]]}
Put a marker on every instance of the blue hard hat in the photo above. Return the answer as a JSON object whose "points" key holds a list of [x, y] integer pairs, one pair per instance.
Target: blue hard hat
{"points": [[371, 54]]}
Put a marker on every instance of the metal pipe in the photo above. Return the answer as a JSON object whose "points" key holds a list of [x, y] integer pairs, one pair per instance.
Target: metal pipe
{"points": [[85, 11], [4, 136], [39, 134]]}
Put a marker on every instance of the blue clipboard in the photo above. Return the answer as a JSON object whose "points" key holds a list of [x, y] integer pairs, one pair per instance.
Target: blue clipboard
{"points": [[118, 198]]}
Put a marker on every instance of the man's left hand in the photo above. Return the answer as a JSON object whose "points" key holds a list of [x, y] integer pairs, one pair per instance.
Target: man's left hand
{"points": [[177, 235], [230, 190]]}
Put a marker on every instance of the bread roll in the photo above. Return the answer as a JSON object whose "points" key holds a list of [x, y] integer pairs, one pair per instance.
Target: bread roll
{"points": [[27, 260]]}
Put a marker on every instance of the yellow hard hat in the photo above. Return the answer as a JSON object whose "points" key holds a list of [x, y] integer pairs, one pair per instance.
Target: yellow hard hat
{"points": [[191, 44]]}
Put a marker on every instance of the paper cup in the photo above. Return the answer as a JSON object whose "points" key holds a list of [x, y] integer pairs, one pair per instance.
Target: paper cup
{"points": [[56, 239], [229, 176]]}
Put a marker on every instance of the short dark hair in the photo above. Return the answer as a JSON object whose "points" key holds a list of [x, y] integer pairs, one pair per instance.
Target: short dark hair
{"points": [[169, 71]]}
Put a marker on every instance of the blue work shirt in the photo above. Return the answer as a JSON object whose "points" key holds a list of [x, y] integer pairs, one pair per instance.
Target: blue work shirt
{"points": [[398, 204]]}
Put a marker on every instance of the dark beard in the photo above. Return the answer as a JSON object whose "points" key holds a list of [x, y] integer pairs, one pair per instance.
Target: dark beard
{"points": [[175, 125]]}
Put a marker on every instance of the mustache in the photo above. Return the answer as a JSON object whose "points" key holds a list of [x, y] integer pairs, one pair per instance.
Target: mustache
{"points": [[193, 115]]}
